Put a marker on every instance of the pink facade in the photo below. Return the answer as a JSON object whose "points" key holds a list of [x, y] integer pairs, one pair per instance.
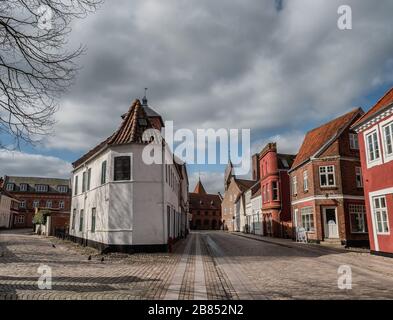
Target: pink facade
{"points": [[375, 134]]}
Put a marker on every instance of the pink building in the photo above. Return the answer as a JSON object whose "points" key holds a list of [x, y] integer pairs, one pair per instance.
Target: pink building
{"points": [[375, 135]]}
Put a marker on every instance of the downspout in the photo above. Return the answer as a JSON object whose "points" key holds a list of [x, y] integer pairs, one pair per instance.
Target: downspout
{"points": [[163, 191]]}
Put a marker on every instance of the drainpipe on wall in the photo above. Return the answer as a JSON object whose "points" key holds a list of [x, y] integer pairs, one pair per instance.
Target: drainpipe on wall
{"points": [[163, 192]]}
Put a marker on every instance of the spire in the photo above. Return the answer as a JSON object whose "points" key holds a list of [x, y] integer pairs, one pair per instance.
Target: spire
{"points": [[144, 99], [199, 188]]}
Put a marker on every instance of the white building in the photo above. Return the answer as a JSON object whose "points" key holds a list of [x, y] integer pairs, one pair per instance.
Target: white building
{"points": [[253, 206], [8, 205], [121, 203]]}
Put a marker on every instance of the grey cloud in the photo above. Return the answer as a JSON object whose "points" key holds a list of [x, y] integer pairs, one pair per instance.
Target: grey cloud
{"points": [[24, 164], [224, 64]]}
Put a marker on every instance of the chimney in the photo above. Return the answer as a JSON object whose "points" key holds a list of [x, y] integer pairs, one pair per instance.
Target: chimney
{"points": [[144, 99], [255, 167]]}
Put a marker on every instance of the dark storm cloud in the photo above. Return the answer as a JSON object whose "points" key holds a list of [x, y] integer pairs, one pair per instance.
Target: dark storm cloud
{"points": [[223, 64]]}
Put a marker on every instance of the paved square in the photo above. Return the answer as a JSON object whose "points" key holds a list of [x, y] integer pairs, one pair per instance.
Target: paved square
{"points": [[207, 265]]}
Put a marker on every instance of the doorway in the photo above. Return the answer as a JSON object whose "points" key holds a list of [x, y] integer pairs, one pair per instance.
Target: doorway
{"points": [[330, 222]]}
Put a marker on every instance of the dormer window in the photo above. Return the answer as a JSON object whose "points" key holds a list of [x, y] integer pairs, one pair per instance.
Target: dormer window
{"points": [[10, 187], [23, 187], [41, 188], [62, 189]]}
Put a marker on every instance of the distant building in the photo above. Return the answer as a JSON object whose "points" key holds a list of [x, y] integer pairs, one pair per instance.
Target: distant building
{"points": [[233, 214], [35, 192], [205, 209], [275, 189], [122, 203], [253, 201], [327, 184], [375, 133], [8, 208]]}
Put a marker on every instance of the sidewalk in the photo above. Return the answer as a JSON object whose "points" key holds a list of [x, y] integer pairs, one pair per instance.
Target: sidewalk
{"points": [[289, 243]]}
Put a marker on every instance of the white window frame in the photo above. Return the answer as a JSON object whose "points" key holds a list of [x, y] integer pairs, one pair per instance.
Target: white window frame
{"points": [[294, 185], [376, 161], [326, 173], [305, 180], [353, 141], [24, 185], [49, 204], [20, 219], [308, 227], [360, 211], [387, 157], [22, 204], [36, 203], [10, 187], [41, 188], [359, 174], [378, 212], [62, 189], [61, 204]]}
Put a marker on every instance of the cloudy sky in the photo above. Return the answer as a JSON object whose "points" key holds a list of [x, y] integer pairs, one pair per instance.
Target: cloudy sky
{"points": [[279, 68]]}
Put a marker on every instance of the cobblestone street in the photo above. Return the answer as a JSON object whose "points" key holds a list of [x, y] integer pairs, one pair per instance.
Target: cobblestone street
{"points": [[208, 265]]}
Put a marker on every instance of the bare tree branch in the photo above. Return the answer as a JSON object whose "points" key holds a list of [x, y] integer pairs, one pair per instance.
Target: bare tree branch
{"points": [[35, 67]]}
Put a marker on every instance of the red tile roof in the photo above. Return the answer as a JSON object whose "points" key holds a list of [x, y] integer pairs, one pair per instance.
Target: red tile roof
{"points": [[319, 137], [135, 122], [385, 101], [199, 188], [204, 201]]}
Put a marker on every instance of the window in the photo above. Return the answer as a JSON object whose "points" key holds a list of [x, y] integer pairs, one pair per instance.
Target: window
{"points": [[22, 204], [294, 186], [49, 204], [20, 219], [84, 181], [307, 218], [381, 215], [103, 172], [23, 187], [353, 141], [122, 168], [274, 190], [93, 220], [88, 178], [81, 221], [359, 177], [305, 181], [357, 214], [76, 186], [62, 189], [388, 138], [326, 175], [41, 188], [372, 146], [36, 203], [10, 187], [73, 219], [61, 204]]}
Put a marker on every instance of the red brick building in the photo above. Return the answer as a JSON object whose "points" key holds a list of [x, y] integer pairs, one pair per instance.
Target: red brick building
{"points": [[327, 185], [32, 193], [205, 209], [375, 134], [275, 188]]}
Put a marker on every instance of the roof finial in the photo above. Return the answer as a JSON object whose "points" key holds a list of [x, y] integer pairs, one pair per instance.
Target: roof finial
{"points": [[144, 99]]}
